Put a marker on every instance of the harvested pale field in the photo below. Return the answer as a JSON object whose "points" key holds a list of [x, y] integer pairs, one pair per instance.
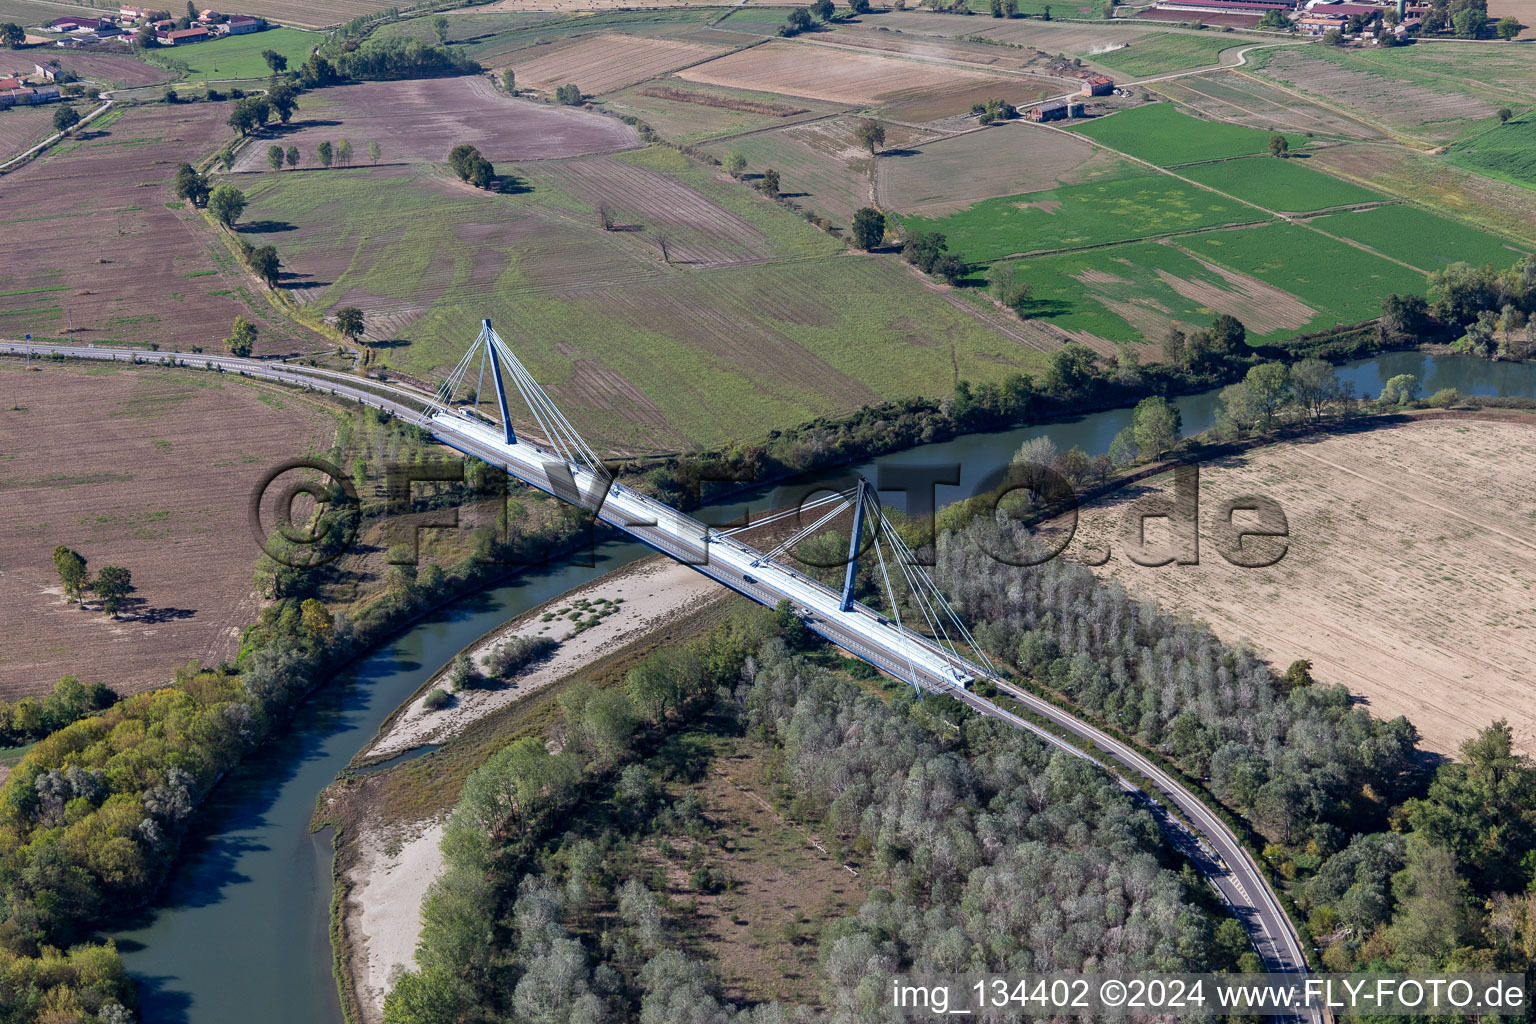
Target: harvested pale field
{"points": [[1524, 10], [109, 247], [572, 6], [867, 36], [821, 164], [1231, 96], [1219, 20], [302, 14], [148, 468], [603, 63], [115, 69], [1410, 575], [1434, 114], [1057, 37], [950, 174], [422, 119], [936, 105], [687, 112], [829, 73], [1500, 206], [23, 127]]}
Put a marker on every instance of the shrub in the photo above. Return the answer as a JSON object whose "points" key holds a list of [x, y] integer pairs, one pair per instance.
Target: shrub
{"points": [[437, 700]]}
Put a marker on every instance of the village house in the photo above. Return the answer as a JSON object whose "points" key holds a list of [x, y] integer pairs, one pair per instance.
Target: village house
{"points": [[49, 71], [240, 24], [1055, 110]]}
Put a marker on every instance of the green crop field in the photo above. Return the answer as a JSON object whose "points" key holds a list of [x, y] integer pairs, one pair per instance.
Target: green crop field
{"points": [[1343, 283], [1160, 134], [237, 56], [1507, 152], [1165, 51], [1117, 210], [1419, 237], [602, 320], [1275, 184]]}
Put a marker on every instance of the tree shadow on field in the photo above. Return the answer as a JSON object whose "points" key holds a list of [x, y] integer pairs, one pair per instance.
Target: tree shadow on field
{"points": [[1043, 309], [389, 343], [510, 186], [138, 609], [291, 279], [265, 227], [295, 126], [901, 152]]}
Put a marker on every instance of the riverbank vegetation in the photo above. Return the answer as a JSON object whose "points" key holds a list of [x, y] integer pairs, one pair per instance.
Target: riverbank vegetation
{"points": [[594, 877]]}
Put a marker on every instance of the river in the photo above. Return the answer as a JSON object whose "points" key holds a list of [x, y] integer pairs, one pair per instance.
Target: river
{"points": [[241, 932]]}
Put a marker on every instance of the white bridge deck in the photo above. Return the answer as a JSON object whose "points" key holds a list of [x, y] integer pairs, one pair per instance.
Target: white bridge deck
{"points": [[725, 559]]}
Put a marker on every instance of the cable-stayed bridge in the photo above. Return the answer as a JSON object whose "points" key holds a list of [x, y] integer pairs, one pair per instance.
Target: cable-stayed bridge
{"points": [[944, 660]]}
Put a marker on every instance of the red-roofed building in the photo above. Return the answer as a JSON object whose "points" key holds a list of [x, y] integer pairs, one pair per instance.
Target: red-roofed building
{"points": [[183, 36], [1098, 85]]}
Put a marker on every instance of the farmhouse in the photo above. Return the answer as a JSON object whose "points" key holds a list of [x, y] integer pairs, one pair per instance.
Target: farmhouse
{"points": [[240, 24], [1317, 24], [49, 70], [127, 13], [1098, 85], [1055, 110], [186, 35]]}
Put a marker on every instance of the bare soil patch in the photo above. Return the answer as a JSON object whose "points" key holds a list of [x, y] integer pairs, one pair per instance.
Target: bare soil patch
{"points": [[1263, 307], [604, 62], [148, 468], [1235, 97], [1399, 103], [1410, 575], [422, 119], [823, 72], [712, 99], [116, 69], [22, 128], [920, 105], [110, 249]]}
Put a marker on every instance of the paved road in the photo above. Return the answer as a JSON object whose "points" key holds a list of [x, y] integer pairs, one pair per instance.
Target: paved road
{"points": [[1212, 847]]}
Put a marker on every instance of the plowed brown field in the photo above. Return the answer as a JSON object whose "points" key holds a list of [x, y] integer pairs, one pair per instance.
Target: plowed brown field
{"points": [[146, 468], [1410, 575], [421, 120], [602, 63], [108, 246], [829, 73]]}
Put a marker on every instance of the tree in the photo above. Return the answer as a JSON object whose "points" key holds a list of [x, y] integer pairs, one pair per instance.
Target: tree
{"points": [[283, 98], [1156, 425], [735, 163], [1508, 27], [1405, 315], [72, 572], [374, 152], [1469, 22], [226, 204], [1003, 281], [1274, 19], [1070, 370], [1314, 384], [191, 186], [868, 228], [65, 117], [276, 61], [459, 159], [1238, 411], [568, 94], [264, 264], [242, 339], [950, 267], [325, 154], [440, 26], [1504, 114], [429, 996], [275, 157], [481, 173], [112, 584], [226, 158], [1271, 387], [822, 9], [1279, 146], [292, 156], [315, 619], [344, 153], [798, 21], [770, 183], [13, 35], [1333, 37], [858, 6], [250, 114], [1174, 353], [871, 135], [923, 250], [1400, 390], [509, 81], [349, 321], [997, 8]]}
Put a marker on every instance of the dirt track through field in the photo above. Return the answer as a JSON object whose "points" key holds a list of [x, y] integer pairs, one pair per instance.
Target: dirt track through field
{"points": [[1410, 576]]}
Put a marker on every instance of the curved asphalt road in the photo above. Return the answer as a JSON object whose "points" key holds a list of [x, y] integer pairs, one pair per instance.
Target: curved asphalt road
{"points": [[1215, 850]]}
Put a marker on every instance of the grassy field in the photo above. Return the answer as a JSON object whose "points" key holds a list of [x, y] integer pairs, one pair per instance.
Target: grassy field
{"points": [[1117, 210], [1159, 133], [1233, 96], [603, 321], [1165, 51], [1343, 283], [1507, 152], [1286, 185], [238, 56], [1416, 236], [1137, 291]]}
